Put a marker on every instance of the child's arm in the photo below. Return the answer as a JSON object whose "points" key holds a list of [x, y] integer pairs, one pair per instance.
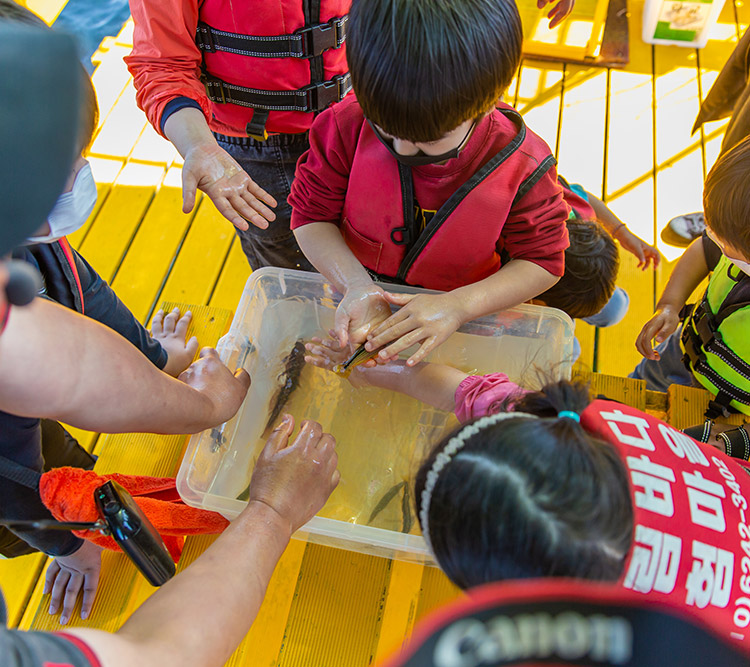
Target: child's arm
{"points": [[645, 253], [432, 318], [364, 304], [686, 276], [434, 384]]}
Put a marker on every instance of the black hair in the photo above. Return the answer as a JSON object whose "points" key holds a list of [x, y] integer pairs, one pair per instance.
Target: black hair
{"points": [[726, 197], [528, 497], [591, 264], [420, 68], [88, 117]]}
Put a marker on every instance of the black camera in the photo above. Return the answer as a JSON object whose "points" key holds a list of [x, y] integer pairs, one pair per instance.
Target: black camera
{"points": [[121, 518]]}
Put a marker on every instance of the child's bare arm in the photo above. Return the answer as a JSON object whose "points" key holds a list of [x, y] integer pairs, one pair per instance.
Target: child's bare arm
{"points": [[645, 253], [363, 305], [434, 384], [430, 319], [686, 276]]}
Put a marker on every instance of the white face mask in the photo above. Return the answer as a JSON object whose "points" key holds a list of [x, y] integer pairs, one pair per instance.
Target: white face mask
{"points": [[72, 208]]}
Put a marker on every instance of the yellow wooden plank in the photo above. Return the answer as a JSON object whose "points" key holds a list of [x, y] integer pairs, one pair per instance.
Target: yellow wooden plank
{"points": [[400, 611], [437, 589], [338, 595], [262, 644], [152, 147], [232, 280], [18, 577], [208, 324], [86, 439], [539, 98], [122, 212], [687, 406], [48, 10], [110, 78], [193, 276], [153, 249], [124, 126], [585, 334], [625, 390]]}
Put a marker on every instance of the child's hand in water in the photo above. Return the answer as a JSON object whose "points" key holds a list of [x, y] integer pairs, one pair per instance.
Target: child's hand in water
{"points": [[329, 353], [362, 308], [170, 331], [426, 318]]}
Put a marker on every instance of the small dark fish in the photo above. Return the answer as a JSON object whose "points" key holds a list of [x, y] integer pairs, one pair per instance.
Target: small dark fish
{"points": [[406, 521], [359, 357], [294, 362]]}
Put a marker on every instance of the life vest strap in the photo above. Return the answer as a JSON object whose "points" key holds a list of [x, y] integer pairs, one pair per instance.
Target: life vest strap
{"points": [[307, 42], [312, 98]]}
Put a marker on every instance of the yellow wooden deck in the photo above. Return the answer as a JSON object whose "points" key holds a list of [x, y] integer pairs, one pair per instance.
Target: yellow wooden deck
{"points": [[623, 134]]}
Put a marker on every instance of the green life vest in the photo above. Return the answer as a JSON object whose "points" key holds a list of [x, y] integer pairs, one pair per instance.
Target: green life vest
{"points": [[716, 339]]}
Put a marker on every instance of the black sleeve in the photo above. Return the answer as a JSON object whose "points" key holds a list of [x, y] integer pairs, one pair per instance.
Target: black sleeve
{"points": [[103, 305], [21, 442], [711, 252]]}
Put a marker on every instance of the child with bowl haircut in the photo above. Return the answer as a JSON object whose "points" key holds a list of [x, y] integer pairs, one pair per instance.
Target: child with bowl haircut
{"points": [[422, 180]]}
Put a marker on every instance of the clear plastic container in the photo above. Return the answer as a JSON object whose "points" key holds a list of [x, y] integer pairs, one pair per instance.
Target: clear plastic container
{"points": [[381, 436], [680, 23]]}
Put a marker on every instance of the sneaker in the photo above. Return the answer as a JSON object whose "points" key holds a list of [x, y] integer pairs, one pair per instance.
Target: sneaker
{"points": [[684, 229]]}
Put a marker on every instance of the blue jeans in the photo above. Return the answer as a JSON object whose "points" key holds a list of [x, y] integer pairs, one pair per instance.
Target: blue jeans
{"points": [[271, 164], [668, 369]]}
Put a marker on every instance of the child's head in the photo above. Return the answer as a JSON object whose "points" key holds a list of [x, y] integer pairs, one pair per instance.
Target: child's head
{"points": [[591, 264], [726, 200], [421, 68], [531, 495]]}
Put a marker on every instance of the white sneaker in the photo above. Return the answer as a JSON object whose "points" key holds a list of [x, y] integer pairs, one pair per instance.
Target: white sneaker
{"points": [[682, 230]]}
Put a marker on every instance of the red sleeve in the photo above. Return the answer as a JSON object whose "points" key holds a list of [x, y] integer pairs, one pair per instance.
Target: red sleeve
{"points": [[165, 62], [535, 229], [322, 176], [481, 395]]}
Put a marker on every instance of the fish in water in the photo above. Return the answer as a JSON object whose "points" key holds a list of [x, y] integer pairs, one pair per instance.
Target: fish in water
{"points": [[406, 515], [359, 357], [294, 362]]}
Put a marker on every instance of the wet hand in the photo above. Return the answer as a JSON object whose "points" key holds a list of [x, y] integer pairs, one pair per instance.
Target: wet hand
{"points": [[426, 318], [170, 331], [647, 255], [664, 323], [558, 13], [296, 480], [361, 309], [67, 576], [209, 168], [216, 382], [329, 353]]}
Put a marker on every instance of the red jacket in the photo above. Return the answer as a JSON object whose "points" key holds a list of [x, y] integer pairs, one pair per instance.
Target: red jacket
{"points": [[165, 61], [349, 178]]}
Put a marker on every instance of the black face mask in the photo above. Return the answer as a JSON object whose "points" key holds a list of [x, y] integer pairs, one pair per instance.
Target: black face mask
{"points": [[420, 159]]}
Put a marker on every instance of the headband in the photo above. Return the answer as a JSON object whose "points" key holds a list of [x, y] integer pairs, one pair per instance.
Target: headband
{"points": [[455, 444]]}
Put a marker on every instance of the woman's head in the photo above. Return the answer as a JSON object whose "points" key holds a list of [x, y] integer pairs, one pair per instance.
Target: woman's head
{"points": [[526, 494]]}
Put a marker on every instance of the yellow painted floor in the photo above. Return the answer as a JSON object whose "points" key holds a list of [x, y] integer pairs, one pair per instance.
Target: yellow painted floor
{"points": [[623, 134]]}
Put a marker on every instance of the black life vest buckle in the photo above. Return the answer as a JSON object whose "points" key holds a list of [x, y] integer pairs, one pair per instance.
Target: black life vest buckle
{"points": [[256, 128], [405, 236], [319, 96], [319, 38], [215, 89], [204, 37]]}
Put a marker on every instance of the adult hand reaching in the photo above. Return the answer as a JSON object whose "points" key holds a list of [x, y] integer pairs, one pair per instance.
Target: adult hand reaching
{"points": [[296, 480]]}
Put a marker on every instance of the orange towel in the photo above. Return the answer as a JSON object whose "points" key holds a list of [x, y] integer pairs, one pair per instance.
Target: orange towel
{"points": [[68, 493]]}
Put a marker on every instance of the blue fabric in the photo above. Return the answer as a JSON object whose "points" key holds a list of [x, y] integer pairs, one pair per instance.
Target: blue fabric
{"points": [[579, 191], [613, 312], [668, 369], [175, 105], [271, 164]]}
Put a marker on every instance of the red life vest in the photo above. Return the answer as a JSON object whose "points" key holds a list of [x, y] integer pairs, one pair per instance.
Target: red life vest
{"points": [[691, 539], [268, 74], [462, 243]]}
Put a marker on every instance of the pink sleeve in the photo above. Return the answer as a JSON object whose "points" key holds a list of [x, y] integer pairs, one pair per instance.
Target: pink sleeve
{"points": [[481, 395], [322, 176]]}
